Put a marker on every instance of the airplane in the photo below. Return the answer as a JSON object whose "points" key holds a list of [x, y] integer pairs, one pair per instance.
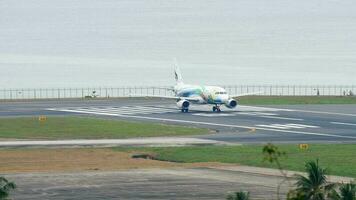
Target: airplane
{"points": [[186, 94]]}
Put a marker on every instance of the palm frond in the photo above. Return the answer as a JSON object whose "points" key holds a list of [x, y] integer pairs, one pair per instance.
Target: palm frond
{"points": [[239, 196]]}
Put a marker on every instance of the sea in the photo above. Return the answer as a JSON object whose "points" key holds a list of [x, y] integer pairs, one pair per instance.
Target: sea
{"points": [[112, 43]]}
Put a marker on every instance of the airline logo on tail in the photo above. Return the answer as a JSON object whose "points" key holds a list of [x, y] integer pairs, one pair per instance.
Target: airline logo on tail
{"points": [[176, 75]]}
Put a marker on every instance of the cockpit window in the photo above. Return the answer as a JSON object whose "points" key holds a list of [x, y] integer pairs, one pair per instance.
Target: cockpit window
{"points": [[220, 93]]}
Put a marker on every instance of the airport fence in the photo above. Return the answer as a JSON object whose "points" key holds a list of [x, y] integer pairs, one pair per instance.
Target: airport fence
{"points": [[116, 92]]}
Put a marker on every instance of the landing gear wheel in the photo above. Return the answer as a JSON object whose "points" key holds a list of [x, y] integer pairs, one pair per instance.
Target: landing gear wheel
{"points": [[185, 110], [216, 109]]}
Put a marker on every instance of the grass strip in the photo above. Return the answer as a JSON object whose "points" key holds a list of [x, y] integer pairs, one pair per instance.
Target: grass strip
{"points": [[295, 100], [87, 128], [339, 159]]}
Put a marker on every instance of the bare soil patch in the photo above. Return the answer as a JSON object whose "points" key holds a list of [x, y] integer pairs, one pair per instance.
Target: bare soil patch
{"points": [[59, 160]]}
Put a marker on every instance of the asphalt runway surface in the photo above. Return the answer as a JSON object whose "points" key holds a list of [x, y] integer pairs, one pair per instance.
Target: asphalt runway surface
{"points": [[245, 124]]}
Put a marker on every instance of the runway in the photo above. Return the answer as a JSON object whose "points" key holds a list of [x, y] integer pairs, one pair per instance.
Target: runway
{"points": [[245, 124]]}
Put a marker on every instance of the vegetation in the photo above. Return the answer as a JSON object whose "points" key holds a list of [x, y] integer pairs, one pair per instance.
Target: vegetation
{"points": [[289, 100], [87, 128], [332, 156], [272, 154], [314, 186], [239, 196], [5, 188], [346, 192]]}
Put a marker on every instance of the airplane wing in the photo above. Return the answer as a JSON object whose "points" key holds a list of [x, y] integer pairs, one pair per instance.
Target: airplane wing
{"points": [[246, 94], [167, 97], [166, 88]]}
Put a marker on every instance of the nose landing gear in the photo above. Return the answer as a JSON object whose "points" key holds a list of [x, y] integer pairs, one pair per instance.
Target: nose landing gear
{"points": [[216, 108], [185, 110]]}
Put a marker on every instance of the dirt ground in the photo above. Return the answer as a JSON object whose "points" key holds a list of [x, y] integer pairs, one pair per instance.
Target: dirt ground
{"points": [[65, 160]]}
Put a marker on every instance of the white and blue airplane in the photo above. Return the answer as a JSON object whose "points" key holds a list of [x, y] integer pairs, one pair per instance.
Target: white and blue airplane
{"points": [[186, 94]]}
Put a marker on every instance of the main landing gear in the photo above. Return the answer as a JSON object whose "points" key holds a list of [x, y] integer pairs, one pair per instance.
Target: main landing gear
{"points": [[216, 108]]}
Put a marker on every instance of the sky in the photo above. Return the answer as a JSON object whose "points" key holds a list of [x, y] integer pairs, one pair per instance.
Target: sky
{"points": [[93, 43]]}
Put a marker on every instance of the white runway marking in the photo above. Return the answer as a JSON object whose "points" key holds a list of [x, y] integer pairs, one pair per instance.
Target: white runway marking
{"points": [[342, 123], [256, 113], [325, 113], [208, 123], [284, 118], [145, 110], [287, 126], [250, 108], [214, 114], [265, 113], [125, 110], [260, 109]]}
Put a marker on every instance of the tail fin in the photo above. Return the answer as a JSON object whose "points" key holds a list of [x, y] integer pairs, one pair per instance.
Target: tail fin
{"points": [[178, 74]]}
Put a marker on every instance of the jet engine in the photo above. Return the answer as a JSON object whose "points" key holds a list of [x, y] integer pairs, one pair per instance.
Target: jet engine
{"points": [[183, 104], [232, 103]]}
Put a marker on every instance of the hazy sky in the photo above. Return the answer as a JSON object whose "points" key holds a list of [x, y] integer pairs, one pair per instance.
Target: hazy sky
{"points": [[79, 43]]}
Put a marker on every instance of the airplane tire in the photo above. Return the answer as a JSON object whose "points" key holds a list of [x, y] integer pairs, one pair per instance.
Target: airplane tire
{"points": [[216, 109]]}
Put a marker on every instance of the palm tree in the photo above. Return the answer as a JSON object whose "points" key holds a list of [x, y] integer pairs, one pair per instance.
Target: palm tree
{"points": [[314, 186], [347, 192], [5, 188], [239, 196]]}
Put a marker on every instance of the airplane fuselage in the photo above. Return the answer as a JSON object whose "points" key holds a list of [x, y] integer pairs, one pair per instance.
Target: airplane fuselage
{"points": [[204, 94]]}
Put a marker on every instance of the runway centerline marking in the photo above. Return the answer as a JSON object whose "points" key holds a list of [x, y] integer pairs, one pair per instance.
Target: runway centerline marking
{"points": [[207, 123], [295, 110], [285, 118], [342, 123], [287, 126], [326, 113], [214, 114]]}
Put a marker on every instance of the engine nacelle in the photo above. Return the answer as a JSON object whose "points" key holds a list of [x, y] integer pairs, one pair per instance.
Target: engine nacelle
{"points": [[183, 104], [232, 103]]}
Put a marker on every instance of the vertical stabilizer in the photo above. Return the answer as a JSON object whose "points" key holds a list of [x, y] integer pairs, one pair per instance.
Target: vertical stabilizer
{"points": [[178, 74]]}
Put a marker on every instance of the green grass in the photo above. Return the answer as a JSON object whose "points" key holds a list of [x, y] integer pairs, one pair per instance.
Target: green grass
{"points": [[339, 159], [289, 100], [87, 128]]}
